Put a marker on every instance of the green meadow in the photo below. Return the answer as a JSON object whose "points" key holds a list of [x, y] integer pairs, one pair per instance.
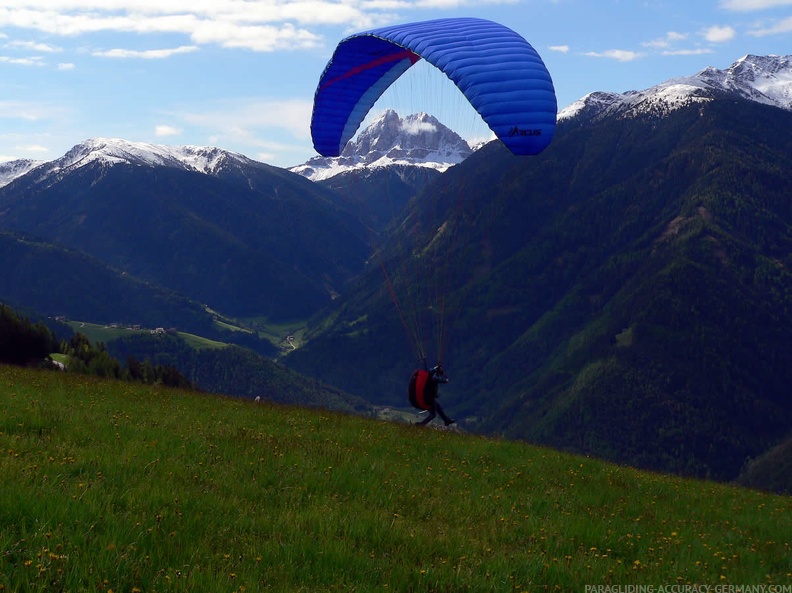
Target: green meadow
{"points": [[111, 486], [96, 333]]}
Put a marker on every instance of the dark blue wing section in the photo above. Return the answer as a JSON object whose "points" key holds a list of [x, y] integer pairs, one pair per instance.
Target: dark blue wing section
{"points": [[498, 71]]}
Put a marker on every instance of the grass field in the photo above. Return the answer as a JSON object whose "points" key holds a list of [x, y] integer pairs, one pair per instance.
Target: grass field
{"points": [[97, 332], [111, 486], [274, 333]]}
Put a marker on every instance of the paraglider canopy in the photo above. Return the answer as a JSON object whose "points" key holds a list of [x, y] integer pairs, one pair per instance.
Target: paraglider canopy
{"points": [[498, 71]]}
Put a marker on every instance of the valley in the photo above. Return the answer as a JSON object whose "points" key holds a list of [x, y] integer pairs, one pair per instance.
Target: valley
{"points": [[624, 294]]}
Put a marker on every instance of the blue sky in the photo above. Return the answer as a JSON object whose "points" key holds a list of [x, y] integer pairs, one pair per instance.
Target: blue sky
{"points": [[240, 74]]}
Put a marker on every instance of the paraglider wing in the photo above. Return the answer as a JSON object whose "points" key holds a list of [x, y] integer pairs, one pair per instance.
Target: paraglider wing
{"points": [[497, 70]]}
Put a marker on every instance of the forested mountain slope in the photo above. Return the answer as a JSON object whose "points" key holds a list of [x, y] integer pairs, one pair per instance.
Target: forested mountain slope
{"points": [[625, 294]]}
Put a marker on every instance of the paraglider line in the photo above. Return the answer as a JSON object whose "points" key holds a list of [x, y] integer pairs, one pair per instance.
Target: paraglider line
{"points": [[411, 335]]}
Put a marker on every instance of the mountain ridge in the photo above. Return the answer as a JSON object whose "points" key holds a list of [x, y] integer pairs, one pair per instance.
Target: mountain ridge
{"points": [[10, 170], [273, 243], [763, 79], [421, 140]]}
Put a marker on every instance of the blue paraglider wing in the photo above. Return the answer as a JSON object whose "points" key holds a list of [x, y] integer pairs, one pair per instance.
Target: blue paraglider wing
{"points": [[497, 70]]}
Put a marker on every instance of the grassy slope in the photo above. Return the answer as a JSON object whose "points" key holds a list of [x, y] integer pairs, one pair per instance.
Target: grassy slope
{"points": [[97, 332], [116, 486]]}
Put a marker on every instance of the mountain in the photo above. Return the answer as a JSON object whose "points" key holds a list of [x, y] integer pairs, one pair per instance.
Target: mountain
{"points": [[378, 196], [10, 170], [418, 140], [387, 164], [763, 79], [57, 281], [110, 151], [246, 238], [624, 294]]}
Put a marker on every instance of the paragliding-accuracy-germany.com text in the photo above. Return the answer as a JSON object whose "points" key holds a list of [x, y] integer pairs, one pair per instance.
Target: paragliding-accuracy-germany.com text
{"points": [[676, 588]]}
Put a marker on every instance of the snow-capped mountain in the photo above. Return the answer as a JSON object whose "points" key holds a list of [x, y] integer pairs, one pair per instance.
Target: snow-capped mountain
{"points": [[421, 140], [417, 140], [111, 151], [765, 79], [10, 170], [175, 216]]}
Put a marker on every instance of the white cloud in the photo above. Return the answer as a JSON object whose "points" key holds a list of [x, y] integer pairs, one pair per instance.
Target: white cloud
{"points": [[31, 111], [257, 38], [782, 26], [245, 119], [33, 46], [24, 144], [34, 61], [719, 34], [559, 48], [687, 52], [670, 38], [621, 55], [259, 26], [149, 54], [270, 152], [751, 5], [165, 130], [416, 127], [66, 66], [33, 148], [22, 110]]}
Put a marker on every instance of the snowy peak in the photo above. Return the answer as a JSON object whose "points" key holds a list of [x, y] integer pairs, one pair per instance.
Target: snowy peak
{"points": [[415, 140], [765, 79], [10, 170], [113, 151], [107, 152]]}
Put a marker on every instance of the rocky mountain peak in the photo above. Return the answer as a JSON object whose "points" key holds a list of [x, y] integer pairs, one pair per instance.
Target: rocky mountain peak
{"points": [[416, 140]]}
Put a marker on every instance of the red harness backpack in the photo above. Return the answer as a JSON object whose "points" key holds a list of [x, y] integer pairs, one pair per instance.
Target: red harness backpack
{"points": [[420, 390]]}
